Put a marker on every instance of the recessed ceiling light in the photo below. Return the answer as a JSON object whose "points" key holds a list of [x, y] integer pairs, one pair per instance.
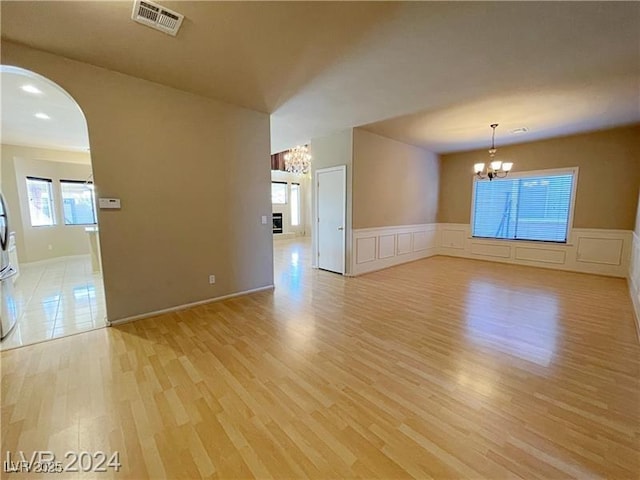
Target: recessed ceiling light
{"points": [[31, 89], [42, 116], [520, 130]]}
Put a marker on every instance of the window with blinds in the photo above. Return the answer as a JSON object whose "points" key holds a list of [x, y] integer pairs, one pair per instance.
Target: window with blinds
{"points": [[527, 207], [40, 197]]}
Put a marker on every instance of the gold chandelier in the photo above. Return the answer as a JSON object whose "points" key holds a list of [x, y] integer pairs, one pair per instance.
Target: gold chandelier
{"points": [[298, 160], [495, 168]]}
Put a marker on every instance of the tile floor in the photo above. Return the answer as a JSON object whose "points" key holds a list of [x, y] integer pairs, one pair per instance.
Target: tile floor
{"points": [[56, 298]]}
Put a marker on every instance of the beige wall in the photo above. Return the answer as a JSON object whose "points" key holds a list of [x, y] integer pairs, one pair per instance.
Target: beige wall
{"points": [[193, 177], [608, 178], [42, 243], [331, 151], [393, 183]]}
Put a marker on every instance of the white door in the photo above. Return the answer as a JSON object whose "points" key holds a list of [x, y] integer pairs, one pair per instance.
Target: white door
{"points": [[331, 184]]}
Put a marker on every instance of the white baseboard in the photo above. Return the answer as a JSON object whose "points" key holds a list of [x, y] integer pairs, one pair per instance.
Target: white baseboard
{"points": [[607, 252], [589, 250], [48, 261], [595, 251], [633, 280], [155, 313]]}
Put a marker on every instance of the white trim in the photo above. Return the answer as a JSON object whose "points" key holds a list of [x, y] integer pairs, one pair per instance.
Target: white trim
{"points": [[456, 241], [407, 228], [572, 206], [46, 261], [550, 255], [634, 285], [528, 174], [536, 173], [316, 216], [368, 255], [120, 321]]}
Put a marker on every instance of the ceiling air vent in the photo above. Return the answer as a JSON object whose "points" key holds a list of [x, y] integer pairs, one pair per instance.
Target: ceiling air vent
{"points": [[156, 16]]}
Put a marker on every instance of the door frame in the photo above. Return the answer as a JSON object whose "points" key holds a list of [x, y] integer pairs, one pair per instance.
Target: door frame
{"points": [[316, 180]]}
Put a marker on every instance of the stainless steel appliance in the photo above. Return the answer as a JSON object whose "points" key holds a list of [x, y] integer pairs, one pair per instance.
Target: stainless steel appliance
{"points": [[8, 307]]}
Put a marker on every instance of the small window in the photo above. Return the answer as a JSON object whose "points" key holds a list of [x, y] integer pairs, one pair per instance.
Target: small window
{"points": [[295, 204], [78, 204], [528, 207], [40, 196], [279, 193]]}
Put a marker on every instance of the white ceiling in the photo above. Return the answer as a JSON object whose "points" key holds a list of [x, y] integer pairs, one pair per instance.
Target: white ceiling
{"points": [[66, 129], [544, 111], [434, 74], [437, 75]]}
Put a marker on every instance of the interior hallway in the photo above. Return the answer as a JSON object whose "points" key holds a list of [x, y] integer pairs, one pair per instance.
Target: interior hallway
{"points": [[439, 368]]}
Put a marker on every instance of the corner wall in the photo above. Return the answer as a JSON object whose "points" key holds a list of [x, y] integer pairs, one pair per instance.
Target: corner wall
{"points": [[193, 177], [395, 201], [608, 182], [594, 251], [600, 239]]}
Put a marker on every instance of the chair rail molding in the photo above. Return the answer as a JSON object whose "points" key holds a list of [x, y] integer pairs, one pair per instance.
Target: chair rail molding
{"points": [[589, 250]]}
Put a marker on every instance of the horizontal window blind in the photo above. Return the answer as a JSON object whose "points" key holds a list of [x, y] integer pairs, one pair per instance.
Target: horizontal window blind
{"points": [[40, 196], [523, 208]]}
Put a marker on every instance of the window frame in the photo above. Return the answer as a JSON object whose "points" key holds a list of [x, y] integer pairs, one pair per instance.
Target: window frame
{"points": [[93, 203], [286, 192], [52, 203], [530, 174]]}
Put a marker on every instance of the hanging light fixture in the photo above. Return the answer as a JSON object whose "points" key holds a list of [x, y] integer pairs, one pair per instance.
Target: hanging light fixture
{"points": [[298, 160], [495, 168]]}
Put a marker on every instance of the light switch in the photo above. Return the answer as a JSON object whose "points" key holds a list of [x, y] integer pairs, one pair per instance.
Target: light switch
{"points": [[264, 219]]}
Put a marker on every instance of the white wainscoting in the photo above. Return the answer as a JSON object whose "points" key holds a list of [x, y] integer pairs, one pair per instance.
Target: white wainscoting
{"points": [[599, 251], [378, 248], [614, 253], [634, 279]]}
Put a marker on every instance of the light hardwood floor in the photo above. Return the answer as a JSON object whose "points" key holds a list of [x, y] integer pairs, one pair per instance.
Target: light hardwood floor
{"points": [[442, 368]]}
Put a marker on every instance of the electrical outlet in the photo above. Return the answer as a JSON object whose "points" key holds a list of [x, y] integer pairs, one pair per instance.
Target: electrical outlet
{"points": [[212, 279], [50, 247], [264, 219]]}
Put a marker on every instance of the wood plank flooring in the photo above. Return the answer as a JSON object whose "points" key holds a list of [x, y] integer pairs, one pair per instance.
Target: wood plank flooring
{"points": [[442, 368]]}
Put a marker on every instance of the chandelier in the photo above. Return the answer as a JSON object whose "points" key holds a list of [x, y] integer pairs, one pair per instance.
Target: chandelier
{"points": [[495, 168], [298, 160]]}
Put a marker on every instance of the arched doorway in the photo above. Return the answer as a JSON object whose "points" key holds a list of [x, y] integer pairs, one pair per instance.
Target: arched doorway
{"points": [[46, 180]]}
